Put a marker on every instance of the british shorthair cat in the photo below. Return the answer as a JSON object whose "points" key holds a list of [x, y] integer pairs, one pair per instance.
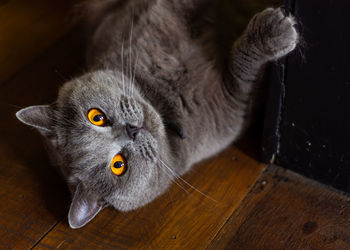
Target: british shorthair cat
{"points": [[154, 101]]}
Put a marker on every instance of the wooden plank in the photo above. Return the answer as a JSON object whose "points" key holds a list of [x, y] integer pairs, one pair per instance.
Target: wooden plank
{"points": [[27, 28], [32, 196], [288, 211], [176, 219]]}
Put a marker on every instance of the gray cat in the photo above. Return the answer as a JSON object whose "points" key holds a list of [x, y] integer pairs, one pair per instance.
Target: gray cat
{"points": [[155, 100]]}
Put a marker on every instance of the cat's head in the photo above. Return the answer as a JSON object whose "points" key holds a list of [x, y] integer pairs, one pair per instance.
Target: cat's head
{"points": [[107, 141]]}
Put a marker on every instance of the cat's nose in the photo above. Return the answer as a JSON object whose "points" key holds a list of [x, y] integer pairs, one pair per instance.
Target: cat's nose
{"points": [[132, 130]]}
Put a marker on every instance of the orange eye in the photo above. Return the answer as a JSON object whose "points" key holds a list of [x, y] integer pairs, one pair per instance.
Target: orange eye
{"points": [[96, 117], [118, 165]]}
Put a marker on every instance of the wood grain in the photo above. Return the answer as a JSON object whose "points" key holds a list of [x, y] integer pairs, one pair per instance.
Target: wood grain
{"points": [[27, 28], [176, 219], [288, 211], [32, 196]]}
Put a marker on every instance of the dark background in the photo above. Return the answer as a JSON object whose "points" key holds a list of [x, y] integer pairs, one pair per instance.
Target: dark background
{"points": [[307, 116]]}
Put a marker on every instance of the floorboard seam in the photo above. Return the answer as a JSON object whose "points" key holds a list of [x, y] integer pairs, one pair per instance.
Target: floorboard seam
{"points": [[44, 235], [239, 206]]}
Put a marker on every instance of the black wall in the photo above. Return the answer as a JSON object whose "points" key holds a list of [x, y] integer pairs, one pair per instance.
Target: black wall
{"points": [[307, 122]]}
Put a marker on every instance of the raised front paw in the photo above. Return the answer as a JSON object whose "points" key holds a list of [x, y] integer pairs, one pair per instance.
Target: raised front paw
{"points": [[272, 33]]}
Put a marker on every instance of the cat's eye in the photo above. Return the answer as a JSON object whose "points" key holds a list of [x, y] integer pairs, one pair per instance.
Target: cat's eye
{"points": [[96, 117], [118, 165]]}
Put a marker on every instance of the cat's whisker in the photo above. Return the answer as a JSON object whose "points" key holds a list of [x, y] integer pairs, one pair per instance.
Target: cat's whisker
{"points": [[170, 177], [128, 74], [180, 178], [122, 59], [134, 74], [130, 54], [12, 105]]}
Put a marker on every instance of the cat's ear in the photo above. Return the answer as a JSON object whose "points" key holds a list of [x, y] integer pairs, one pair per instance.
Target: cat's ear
{"points": [[83, 208], [39, 117]]}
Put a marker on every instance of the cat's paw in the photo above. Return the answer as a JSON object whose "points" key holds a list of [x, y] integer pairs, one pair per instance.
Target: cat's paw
{"points": [[272, 33]]}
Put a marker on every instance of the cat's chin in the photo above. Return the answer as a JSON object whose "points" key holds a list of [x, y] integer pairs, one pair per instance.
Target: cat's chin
{"points": [[124, 205]]}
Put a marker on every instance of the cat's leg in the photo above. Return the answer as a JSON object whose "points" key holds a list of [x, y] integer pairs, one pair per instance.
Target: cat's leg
{"points": [[269, 36]]}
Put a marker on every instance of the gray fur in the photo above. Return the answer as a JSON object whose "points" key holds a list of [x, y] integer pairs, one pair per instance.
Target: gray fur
{"points": [[147, 63]]}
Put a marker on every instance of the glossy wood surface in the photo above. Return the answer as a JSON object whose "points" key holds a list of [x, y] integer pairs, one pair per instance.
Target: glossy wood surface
{"points": [[27, 28], [287, 211]]}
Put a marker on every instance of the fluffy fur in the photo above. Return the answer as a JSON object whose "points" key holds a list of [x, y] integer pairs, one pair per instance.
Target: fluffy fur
{"points": [[150, 62]]}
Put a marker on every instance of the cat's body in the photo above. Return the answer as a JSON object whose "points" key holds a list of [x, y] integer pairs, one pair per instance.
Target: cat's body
{"points": [[175, 72], [156, 76]]}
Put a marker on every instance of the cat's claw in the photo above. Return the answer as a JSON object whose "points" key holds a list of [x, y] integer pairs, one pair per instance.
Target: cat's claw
{"points": [[273, 33]]}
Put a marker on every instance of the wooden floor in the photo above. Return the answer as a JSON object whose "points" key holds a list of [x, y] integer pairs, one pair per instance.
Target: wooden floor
{"points": [[258, 206]]}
